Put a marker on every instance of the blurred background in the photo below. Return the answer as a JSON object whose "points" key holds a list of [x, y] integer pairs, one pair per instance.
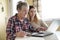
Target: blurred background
{"points": [[47, 10]]}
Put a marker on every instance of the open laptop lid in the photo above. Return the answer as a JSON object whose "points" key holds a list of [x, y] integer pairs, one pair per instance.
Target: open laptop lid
{"points": [[53, 27]]}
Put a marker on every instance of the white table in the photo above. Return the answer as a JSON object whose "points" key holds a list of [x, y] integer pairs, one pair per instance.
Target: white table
{"points": [[51, 37]]}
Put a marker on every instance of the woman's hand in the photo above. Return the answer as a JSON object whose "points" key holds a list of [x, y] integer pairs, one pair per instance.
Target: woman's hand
{"points": [[41, 28], [21, 34]]}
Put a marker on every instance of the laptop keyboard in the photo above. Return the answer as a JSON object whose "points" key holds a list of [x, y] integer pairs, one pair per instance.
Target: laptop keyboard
{"points": [[41, 34]]}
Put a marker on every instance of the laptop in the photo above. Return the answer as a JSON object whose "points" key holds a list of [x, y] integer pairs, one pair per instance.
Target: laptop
{"points": [[41, 34], [48, 32]]}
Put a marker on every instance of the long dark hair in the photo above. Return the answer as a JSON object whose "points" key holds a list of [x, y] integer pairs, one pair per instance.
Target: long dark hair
{"points": [[35, 17]]}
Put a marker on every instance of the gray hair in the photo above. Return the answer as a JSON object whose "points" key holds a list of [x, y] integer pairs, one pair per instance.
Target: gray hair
{"points": [[20, 4]]}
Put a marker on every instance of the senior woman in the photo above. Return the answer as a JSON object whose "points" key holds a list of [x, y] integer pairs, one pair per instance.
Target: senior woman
{"points": [[18, 24]]}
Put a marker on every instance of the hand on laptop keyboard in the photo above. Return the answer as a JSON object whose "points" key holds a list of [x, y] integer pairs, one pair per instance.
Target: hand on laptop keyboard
{"points": [[41, 29]]}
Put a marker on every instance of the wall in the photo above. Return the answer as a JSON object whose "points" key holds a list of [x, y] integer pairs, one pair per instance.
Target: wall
{"points": [[30, 2], [14, 3], [3, 16]]}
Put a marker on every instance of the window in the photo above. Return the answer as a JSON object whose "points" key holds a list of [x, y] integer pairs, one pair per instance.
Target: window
{"points": [[50, 9]]}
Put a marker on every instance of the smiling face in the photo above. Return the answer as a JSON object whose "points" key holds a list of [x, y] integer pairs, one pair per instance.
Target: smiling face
{"points": [[23, 11], [22, 8], [32, 12]]}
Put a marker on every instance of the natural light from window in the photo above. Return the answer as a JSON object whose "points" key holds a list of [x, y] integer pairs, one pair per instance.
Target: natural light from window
{"points": [[50, 9]]}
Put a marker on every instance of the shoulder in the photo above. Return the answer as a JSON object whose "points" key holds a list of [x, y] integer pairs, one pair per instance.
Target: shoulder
{"points": [[26, 19], [12, 18]]}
